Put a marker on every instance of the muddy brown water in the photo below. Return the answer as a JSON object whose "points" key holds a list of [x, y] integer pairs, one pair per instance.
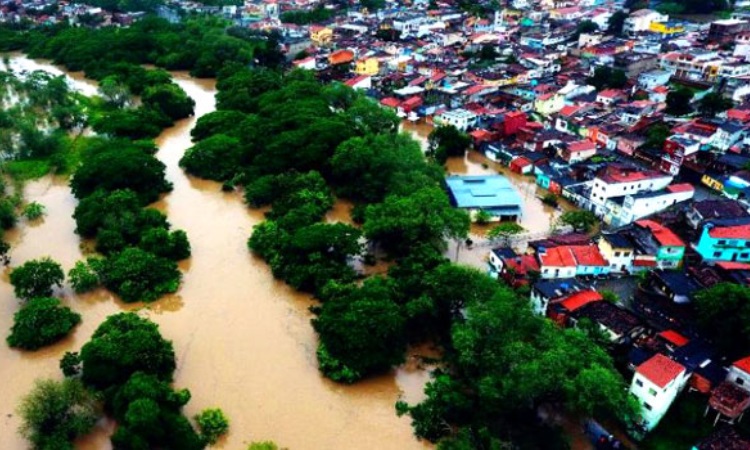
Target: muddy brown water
{"points": [[243, 340]]}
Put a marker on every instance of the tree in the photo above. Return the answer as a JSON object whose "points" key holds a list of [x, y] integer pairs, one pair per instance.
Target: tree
{"points": [[124, 168], [36, 278], [264, 445], [678, 102], [723, 313], [606, 77], [488, 52], [55, 413], [656, 135], [216, 157], [483, 217], [361, 331], [616, 22], [424, 217], [585, 27], [504, 231], [171, 245], [33, 211], [713, 103], [216, 122], [446, 141], [212, 424], [114, 92], [42, 321], [580, 220], [70, 364], [169, 99], [123, 345], [83, 276], [137, 275]]}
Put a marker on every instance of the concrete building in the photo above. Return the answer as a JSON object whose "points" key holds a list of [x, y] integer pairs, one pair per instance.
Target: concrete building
{"points": [[493, 194], [725, 240], [459, 118], [656, 384]]}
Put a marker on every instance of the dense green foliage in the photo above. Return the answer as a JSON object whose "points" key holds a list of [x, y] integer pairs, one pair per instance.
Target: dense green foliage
{"points": [[300, 17], [42, 321], [83, 277], [713, 103], [36, 278], [123, 345], [138, 275], [606, 77], [212, 423], [446, 141], [580, 220], [678, 102], [33, 211], [723, 313], [55, 413]]}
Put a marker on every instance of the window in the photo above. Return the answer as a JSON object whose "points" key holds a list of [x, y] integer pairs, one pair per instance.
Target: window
{"points": [[717, 254], [744, 255], [740, 381], [639, 383], [617, 254], [722, 242], [652, 392], [626, 254], [647, 406]]}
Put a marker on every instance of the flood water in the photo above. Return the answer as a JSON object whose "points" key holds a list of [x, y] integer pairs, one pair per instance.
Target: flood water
{"points": [[243, 340]]}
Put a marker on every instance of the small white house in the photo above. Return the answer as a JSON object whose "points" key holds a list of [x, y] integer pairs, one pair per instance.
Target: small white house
{"points": [[459, 118], [656, 384]]}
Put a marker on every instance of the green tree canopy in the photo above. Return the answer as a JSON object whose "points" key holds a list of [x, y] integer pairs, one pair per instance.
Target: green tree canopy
{"points": [[580, 220], [55, 413], [607, 77], [123, 168], [36, 278], [678, 102], [713, 103], [723, 313], [216, 157], [424, 217], [138, 275], [446, 141], [361, 331], [169, 99], [42, 321], [123, 345]]}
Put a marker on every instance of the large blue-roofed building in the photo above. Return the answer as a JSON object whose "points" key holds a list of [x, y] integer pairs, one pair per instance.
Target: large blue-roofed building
{"points": [[491, 193]]}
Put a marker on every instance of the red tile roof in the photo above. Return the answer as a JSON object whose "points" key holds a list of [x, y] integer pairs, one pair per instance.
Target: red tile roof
{"points": [[580, 299], [660, 370], [644, 263], [569, 110], [743, 364], [610, 93], [681, 187], [735, 232], [588, 255], [674, 337], [730, 265], [558, 257], [663, 235], [390, 101], [356, 80], [581, 146], [522, 264]]}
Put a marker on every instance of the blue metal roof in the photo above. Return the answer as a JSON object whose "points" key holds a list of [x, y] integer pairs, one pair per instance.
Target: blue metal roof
{"points": [[490, 192]]}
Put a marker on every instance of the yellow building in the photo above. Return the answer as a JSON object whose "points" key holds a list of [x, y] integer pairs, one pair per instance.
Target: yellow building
{"points": [[666, 28], [367, 66], [321, 35], [549, 104]]}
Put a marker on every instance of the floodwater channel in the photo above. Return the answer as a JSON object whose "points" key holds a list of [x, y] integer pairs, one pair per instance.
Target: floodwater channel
{"points": [[243, 340]]}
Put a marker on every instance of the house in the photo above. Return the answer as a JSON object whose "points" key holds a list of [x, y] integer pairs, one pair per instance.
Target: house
{"points": [[641, 20], [560, 310], [729, 401], [557, 262], [724, 438], [675, 285], [714, 209], [516, 270], [739, 373], [619, 250], [321, 35], [547, 292], [577, 151], [460, 118], [305, 63], [363, 82], [340, 57], [619, 325], [493, 194], [656, 384], [660, 243], [609, 97], [725, 240], [367, 66], [621, 211], [548, 104]]}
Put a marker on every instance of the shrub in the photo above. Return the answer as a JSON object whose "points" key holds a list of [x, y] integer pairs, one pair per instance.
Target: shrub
{"points": [[33, 211], [82, 277], [36, 278], [41, 322], [213, 424]]}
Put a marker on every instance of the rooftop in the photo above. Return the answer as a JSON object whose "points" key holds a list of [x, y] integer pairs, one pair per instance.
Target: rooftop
{"points": [[663, 235], [485, 192], [660, 370]]}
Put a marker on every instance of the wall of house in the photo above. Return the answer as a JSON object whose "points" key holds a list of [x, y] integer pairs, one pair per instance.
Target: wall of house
{"points": [[654, 400], [739, 378], [551, 272], [714, 249], [620, 259], [670, 257], [538, 303]]}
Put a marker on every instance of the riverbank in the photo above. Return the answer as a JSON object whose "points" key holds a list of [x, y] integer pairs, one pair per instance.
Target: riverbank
{"points": [[243, 340]]}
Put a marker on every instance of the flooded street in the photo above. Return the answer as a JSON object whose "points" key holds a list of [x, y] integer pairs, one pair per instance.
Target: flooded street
{"points": [[243, 340]]}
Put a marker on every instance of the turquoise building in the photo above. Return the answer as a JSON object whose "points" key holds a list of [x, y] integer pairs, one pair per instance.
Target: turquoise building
{"points": [[725, 240]]}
